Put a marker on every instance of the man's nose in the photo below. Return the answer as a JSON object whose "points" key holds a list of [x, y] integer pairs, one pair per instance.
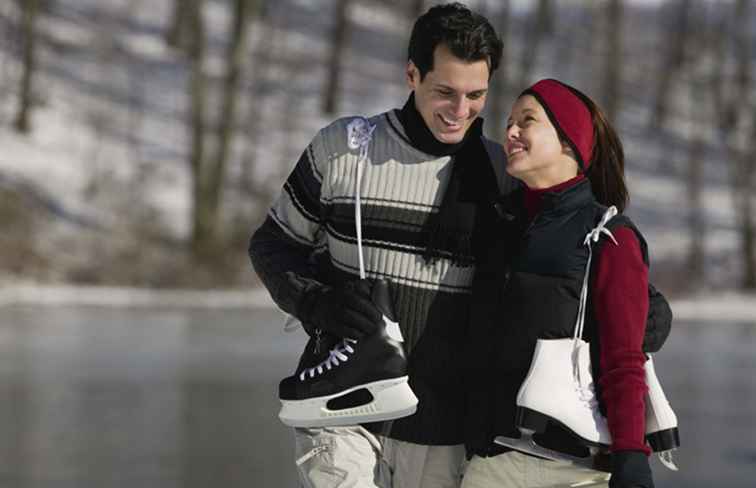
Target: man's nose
{"points": [[461, 107]]}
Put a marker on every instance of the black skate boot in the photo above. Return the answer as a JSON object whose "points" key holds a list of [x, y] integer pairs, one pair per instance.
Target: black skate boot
{"points": [[360, 381]]}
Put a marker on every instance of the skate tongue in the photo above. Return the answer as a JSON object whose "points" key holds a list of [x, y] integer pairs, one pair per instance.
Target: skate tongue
{"points": [[393, 330]]}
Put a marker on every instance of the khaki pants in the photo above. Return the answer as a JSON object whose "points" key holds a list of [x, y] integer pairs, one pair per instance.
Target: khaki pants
{"points": [[517, 470], [346, 457]]}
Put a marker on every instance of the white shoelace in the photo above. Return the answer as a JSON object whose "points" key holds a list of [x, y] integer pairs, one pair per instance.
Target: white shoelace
{"points": [[594, 236], [585, 388], [336, 356], [359, 135]]}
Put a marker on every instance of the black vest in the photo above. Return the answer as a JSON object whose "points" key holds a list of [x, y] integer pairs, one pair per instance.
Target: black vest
{"points": [[528, 289]]}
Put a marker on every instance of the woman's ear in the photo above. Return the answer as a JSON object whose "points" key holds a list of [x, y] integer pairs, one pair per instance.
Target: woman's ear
{"points": [[567, 150]]}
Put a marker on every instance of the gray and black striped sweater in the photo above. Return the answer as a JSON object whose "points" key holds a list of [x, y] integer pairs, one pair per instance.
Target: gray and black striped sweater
{"points": [[309, 237]]}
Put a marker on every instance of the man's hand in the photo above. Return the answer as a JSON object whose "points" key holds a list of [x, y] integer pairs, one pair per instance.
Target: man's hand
{"points": [[346, 312]]}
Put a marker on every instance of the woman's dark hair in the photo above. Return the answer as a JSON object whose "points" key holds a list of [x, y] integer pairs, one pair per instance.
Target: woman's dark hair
{"points": [[606, 170], [468, 35]]}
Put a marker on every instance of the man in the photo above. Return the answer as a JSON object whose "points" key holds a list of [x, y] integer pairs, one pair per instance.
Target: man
{"points": [[427, 190]]}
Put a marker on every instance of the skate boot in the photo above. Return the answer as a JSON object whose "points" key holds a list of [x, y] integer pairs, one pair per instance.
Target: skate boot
{"points": [[360, 381], [661, 422], [559, 390], [570, 403]]}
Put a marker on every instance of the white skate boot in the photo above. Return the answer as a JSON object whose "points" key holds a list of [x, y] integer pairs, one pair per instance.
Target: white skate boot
{"points": [[572, 405], [661, 422], [559, 389]]}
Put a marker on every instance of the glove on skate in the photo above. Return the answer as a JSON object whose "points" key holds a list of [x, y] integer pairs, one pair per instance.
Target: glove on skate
{"points": [[346, 312], [630, 469]]}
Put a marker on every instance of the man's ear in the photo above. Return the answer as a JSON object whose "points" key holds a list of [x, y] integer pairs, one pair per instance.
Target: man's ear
{"points": [[413, 75]]}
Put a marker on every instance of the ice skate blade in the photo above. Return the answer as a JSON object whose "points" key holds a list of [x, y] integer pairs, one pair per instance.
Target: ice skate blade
{"points": [[530, 421], [527, 445], [392, 399]]}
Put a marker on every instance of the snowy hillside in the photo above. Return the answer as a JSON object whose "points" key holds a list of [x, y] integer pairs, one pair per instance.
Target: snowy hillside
{"points": [[106, 162]]}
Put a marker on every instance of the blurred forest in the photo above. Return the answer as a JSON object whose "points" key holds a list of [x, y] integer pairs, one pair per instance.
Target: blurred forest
{"points": [[143, 140]]}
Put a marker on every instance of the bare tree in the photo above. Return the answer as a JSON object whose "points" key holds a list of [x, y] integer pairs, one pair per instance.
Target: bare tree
{"points": [[176, 34], [613, 71], [339, 40], [671, 61], [498, 96], [30, 14], [541, 27], [735, 109], [695, 182], [418, 8], [202, 217], [264, 63], [235, 57]]}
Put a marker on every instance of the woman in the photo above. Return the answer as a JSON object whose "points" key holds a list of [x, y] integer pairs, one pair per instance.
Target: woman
{"points": [[560, 145]]}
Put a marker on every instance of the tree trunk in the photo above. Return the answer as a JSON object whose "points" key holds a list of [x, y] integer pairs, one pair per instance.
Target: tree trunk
{"points": [[235, 56], [176, 34], [747, 224], [22, 121], [202, 218], [696, 217], [613, 73], [418, 8], [672, 63], [542, 25], [338, 48], [499, 100], [731, 105]]}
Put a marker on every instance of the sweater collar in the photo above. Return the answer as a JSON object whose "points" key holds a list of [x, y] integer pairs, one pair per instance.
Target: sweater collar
{"points": [[560, 198]]}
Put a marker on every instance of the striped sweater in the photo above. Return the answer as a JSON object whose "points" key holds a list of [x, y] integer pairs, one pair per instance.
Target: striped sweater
{"points": [[310, 238]]}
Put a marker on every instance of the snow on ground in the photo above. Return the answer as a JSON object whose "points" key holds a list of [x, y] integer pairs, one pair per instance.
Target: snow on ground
{"points": [[109, 131], [718, 308], [103, 296]]}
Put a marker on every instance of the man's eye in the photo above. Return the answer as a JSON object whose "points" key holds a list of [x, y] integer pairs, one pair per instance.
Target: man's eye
{"points": [[475, 96]]}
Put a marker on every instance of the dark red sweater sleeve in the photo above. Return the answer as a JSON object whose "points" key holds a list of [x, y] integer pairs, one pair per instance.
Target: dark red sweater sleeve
{"points": [[620, 298]]}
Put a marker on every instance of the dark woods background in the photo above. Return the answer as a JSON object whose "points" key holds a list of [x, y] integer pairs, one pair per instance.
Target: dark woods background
{"points": [[188, 115]]}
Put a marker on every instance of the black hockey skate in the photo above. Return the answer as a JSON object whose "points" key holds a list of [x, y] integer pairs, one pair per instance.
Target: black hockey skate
{"points": [[360, 381]]}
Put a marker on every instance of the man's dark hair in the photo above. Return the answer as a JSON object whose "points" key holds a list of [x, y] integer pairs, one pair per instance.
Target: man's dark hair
{"points": [[468, 35]]}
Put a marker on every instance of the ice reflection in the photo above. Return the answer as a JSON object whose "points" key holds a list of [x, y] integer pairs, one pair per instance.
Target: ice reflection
{"points": [[111, 398]]}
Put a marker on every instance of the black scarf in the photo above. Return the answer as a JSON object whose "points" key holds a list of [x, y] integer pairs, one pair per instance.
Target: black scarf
{"points": [[472, 189]]}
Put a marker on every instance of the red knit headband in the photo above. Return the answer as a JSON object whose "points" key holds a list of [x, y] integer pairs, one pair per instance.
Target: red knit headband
{"points": [[569, 115]]}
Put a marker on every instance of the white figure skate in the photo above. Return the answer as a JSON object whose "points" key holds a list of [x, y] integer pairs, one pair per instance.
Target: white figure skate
{"points": [[559, 389], [570, 402], [661, 422]]}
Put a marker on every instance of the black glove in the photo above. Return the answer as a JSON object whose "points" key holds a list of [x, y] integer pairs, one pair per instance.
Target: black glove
{"points": [[658, 322], [630, 469], [345, 312]]}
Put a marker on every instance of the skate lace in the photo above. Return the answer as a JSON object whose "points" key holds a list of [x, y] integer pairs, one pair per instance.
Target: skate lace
{"points": [[359, 134], [594, 236], [336, 356], [586, 393], [584, 386]]}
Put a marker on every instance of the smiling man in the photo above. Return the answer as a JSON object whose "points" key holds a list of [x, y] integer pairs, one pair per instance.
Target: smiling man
{"points": [[427, 180]]}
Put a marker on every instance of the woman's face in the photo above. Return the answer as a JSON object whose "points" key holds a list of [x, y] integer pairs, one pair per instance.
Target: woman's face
{"points": [[535, 154]]}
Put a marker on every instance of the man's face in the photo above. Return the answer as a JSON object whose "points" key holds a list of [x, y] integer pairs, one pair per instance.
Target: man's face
{"points": [[452, 94]]}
